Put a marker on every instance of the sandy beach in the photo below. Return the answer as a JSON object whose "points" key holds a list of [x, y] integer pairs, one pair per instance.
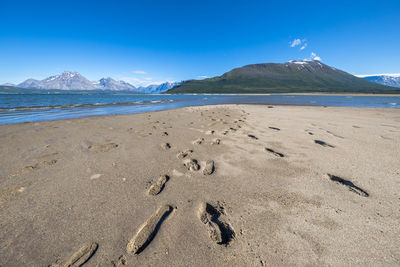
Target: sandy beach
{"points": [[226, 185]]}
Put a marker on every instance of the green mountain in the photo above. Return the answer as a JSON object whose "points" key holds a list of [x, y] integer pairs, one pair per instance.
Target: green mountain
{"points": [[289, 77]]}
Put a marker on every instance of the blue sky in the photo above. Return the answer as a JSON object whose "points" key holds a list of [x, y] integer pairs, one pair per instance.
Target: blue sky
{"points": [[152, 41]]}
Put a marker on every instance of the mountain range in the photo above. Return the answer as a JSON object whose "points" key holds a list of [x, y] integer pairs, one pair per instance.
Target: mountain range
{"points": [[296, 76], [299, 76], [74, 81], [385, 79]]}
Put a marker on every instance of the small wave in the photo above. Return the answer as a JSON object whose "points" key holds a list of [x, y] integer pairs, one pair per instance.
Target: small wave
{"points": [[141, 102]]}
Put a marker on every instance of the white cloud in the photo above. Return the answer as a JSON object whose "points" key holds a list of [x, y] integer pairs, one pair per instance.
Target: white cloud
{"points": [[299, 42], [295, 43], [139, 72], [203, 76], [313, 56]]}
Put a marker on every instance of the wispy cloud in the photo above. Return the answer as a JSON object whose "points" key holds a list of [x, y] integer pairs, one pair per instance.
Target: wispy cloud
{"points": [[203, 76], [295, 43], [299, 42], [139, 72]]}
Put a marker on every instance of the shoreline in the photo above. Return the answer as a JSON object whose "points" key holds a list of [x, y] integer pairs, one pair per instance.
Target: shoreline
{"points": [[179, 108]]}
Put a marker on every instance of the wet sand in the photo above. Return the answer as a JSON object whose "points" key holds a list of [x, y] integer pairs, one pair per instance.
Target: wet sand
{"points": [[227, 185]]}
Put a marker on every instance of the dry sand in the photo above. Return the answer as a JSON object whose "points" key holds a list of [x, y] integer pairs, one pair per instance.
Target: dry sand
{"points": [[228, 185]]}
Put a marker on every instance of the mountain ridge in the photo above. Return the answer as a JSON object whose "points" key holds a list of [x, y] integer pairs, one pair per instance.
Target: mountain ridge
{"points": [[69, 81]]}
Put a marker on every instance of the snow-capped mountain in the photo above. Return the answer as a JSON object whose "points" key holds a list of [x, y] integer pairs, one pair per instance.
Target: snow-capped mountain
{"points": [[65, 81], [385, 79], [157, 88], [111, 84], [74, 81]]}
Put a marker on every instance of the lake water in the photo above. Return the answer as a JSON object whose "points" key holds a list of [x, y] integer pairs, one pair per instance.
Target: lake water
{"points": [[19, 108]]}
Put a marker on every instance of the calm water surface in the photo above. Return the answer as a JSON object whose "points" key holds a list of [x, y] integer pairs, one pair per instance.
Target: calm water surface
{"points": [[18, 108]]}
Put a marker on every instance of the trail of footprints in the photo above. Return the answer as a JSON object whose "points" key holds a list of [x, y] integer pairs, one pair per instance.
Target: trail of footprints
{"points": [[211, 216]]}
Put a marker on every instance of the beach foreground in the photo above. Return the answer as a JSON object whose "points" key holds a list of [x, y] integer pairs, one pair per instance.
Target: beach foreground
{"points": [[227, 185]]}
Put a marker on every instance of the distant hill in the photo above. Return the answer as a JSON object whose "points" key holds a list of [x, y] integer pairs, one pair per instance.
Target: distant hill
{"points": [[290, 77], [385, 79]]}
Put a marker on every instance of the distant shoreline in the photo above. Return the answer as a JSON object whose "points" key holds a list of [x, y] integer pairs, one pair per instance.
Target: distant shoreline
{"points": [[340, 94]]}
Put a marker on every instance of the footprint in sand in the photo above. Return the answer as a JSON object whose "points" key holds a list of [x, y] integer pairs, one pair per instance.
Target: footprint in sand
{"points": [[158, 185], [102, 147], [219, 231], [165, 134], [38, 165], [252, 136], [322, 143], [209, 168], [166, 146], [80, 257], [184, 154], [198, 141], [210, 132], [216, 142], [148, 230], [274, 152], [121, 261], [352, 187], [274, 128], [191, 164]]}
